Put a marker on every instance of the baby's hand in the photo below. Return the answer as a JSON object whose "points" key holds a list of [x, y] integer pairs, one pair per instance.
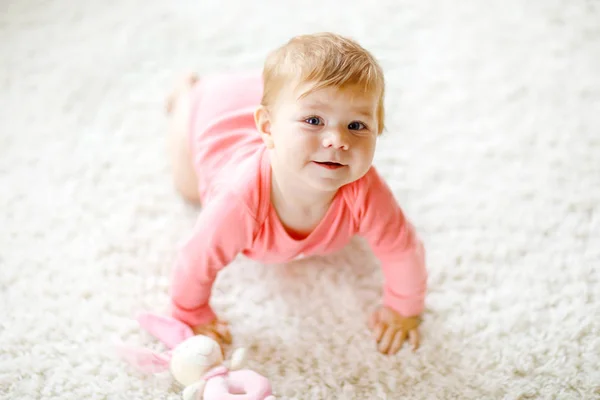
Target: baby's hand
{"points": [[218, 330], [391, 330]]}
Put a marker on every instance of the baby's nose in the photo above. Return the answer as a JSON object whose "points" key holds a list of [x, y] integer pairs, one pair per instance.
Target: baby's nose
{"points": [[336, 138]]}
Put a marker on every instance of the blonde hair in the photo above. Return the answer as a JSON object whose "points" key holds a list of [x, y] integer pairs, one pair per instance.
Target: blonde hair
{"points": [[327, 60]]}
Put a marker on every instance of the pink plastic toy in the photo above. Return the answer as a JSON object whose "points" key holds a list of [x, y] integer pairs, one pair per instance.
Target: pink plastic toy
{"points": [[196, 362]]}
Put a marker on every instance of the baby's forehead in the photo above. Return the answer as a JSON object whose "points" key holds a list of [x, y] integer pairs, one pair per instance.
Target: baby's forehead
{"points": [[312, 95]]}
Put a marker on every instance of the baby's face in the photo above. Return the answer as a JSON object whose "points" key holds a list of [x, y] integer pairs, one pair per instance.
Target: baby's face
{"points": [[326, 138]]}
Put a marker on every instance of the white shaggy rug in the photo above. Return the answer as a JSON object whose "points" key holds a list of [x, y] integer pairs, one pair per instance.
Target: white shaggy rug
{"points": [[493, 149]]}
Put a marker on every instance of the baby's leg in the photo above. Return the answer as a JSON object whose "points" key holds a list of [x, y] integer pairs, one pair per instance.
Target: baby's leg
{"points": [[178, 109]]}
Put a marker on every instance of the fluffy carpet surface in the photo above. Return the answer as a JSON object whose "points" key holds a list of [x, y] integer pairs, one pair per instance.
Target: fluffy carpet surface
{"points": [[493, 149]]}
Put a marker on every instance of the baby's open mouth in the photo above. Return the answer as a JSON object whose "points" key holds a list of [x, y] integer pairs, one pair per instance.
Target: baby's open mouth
{"points": [[329, 164]]}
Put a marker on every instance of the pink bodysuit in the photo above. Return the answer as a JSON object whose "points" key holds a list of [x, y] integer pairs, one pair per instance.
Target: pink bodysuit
{"points": [[232, 165]]}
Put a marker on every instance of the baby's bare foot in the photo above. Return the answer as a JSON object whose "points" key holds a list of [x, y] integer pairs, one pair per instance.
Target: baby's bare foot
{"points": [[182, 87]]}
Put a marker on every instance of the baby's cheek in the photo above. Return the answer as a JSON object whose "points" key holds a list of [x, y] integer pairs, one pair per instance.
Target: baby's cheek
{"points": [[363, 161], [301, 147], [311, 143], [367, 151]]}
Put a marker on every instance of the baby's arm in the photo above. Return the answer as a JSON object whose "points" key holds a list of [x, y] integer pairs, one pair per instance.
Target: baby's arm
{"points": [[224, 228], [402, 257], [395, 243]]}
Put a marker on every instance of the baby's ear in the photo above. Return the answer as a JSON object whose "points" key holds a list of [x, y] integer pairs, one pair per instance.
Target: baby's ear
{"points": [[262, 119]]}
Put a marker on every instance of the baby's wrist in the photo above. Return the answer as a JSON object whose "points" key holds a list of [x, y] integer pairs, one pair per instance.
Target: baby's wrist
{"points": [[200, 316]]}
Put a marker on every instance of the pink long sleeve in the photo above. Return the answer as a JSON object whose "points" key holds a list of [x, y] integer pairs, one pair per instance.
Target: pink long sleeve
{"points": [[395, 243], [225, 227]]}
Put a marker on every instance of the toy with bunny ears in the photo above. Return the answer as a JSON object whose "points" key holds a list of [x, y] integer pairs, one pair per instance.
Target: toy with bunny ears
{"points": [[196, 362]]}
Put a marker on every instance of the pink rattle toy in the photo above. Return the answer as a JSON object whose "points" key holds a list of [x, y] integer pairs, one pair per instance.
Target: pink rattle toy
{"points": [[196, 362]]}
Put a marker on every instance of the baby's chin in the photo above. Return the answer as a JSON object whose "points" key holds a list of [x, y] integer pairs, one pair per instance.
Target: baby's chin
{"points": [[330, 185]]}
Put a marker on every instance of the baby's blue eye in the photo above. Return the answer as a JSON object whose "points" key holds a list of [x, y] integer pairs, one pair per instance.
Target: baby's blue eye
{"points": [[356, 126], [313, 121]]}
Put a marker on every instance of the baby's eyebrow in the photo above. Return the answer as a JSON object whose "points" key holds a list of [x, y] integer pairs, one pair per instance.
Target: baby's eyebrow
{"points": [[365, 112], [362, 111], [316, 104]]}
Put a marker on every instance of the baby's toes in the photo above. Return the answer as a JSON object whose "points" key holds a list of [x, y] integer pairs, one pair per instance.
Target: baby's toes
{"points": [[185, 83], [182, 87], [191, 79]]}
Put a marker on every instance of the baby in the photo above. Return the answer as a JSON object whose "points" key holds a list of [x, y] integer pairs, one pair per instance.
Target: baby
{"points": [[282, 165]]}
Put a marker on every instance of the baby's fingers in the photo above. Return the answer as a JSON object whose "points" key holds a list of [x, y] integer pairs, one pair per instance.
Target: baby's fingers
{"points": [[222, 329], [399, 339], [373, 320], [205, 331], [219, 331], [413, 338], [386, 340], [378, 331]]}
